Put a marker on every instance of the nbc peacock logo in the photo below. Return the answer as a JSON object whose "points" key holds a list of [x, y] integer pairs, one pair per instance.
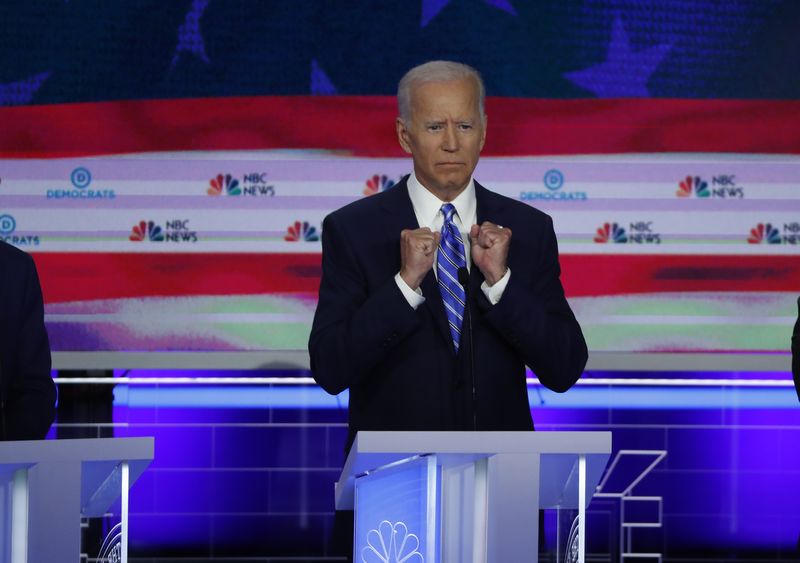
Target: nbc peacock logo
{"points": [[378, 183], [174, 231], [301, 232], [610, 232], [224, 183], [391, 542], [146, 231], [720, 186], [764, 233], [693, 184]]}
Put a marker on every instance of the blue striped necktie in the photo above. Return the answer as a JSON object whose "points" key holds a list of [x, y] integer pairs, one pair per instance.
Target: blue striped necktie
{"points": [[450, 258]]}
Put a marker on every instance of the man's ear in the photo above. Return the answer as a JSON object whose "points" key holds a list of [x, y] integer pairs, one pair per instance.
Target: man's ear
{"points": [[483, 134], [402, 135]]}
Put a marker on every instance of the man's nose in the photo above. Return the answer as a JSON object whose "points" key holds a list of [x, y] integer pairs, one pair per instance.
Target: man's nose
{"points": [[450, 143]]}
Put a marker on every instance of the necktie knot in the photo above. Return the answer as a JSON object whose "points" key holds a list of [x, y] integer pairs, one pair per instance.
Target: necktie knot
{"points": [[448, 210]]}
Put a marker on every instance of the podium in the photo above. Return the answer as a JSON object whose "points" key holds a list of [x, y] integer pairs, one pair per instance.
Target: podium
{"points": [[425, 497], [47, 486]]}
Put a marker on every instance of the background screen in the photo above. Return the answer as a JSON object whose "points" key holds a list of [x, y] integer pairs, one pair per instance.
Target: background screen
{"points": [[666, 254]]}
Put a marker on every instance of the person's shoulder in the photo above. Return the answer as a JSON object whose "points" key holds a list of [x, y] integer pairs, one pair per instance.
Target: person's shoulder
{"points": [[367, 206], [11, 256]]}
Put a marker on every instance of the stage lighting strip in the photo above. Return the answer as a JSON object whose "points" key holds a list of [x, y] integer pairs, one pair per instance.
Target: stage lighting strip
{"points": [[628, 382]]}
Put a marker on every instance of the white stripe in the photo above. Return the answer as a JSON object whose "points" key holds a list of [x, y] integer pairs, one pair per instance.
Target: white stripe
{"points": [[443, 252], [451, 247], [531, 381], [460, 318], [451, 292], [449, 275]]}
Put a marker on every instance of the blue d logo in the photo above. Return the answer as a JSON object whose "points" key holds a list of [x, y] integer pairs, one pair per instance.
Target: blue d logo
{"points": [[553, 179], [81, 177], [7, 224]]}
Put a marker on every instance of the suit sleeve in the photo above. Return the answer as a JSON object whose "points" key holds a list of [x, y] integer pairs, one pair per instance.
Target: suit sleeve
{"points": [[535, 319], [355, 326], [31, 393]]}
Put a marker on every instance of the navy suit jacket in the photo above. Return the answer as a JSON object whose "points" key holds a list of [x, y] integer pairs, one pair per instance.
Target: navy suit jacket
{"points": [[27, 391], [399, 363]]}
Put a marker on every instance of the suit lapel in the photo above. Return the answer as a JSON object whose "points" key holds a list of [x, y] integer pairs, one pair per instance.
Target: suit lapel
{"points": [[399, 215]]}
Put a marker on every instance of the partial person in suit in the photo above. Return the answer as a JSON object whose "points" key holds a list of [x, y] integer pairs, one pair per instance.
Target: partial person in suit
{"points": [[391, 324], [796, 352], [27, 391]]}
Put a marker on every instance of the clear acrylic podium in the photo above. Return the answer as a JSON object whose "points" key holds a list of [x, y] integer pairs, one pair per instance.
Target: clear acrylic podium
{"points": [[47, 486], [467, 497]]}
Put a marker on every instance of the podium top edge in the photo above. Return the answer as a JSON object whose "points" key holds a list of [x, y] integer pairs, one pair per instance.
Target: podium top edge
{"points": [[483, 442], [80, 449]]}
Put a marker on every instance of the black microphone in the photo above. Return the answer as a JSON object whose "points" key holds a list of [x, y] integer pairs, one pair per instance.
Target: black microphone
{"points": [[463, 279]]}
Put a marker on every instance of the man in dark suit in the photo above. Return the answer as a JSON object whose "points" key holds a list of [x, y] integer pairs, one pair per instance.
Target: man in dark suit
{"points": [[27, 392], [393, 321]]}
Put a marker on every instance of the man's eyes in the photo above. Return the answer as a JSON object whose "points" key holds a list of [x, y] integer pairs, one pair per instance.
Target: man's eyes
{"points": [[440, 127]]}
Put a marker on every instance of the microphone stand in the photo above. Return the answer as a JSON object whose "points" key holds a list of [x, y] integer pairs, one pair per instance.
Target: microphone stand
{"points": [[463, 279]]}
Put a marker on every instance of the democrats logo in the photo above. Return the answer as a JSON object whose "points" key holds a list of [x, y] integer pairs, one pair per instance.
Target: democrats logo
{"points": [[254, 184], [81, 180], [301, 232], [7, 224], [8, 227], [722, 186], [766, 233], [640, 232], [378, 183], [553, 181], [176, 231]]}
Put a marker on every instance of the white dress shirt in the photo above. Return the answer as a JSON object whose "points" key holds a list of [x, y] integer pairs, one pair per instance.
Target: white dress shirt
{"points": [[427, 208]]}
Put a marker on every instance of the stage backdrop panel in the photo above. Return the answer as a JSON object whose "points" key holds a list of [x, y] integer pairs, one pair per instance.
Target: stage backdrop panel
{"points": [[220, 252]]}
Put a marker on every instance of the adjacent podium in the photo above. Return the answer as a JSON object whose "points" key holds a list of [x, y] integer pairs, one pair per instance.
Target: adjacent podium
{"points": [[466, 496], [47, 486]]}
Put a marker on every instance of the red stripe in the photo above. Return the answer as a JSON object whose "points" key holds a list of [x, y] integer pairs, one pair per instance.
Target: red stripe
{"points": [[587, 275], [364, 125], [87, 276]]}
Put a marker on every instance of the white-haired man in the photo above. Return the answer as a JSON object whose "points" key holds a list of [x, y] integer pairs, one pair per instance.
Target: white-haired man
{"points": [[393, 321]]}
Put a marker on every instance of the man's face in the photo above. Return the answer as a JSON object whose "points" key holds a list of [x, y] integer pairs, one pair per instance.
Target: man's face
{"points": [[445, 135]]}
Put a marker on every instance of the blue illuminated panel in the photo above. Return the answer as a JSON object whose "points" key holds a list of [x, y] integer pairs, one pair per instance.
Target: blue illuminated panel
{"points": [[396, 515]]}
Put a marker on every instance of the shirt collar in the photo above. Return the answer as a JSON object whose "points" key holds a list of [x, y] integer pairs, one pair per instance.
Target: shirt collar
{"points": [[427, 206]]}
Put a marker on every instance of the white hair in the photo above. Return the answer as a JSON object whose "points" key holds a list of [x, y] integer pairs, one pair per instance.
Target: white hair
{"points": [[435, 71]]}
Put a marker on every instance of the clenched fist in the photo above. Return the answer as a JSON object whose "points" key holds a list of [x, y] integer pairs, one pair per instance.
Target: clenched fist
{"points": [[417, 252], [489, 248]]}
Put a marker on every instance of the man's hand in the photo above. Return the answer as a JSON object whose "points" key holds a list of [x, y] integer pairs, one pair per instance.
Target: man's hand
{"points": [[489, 246], [417, 251]]}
